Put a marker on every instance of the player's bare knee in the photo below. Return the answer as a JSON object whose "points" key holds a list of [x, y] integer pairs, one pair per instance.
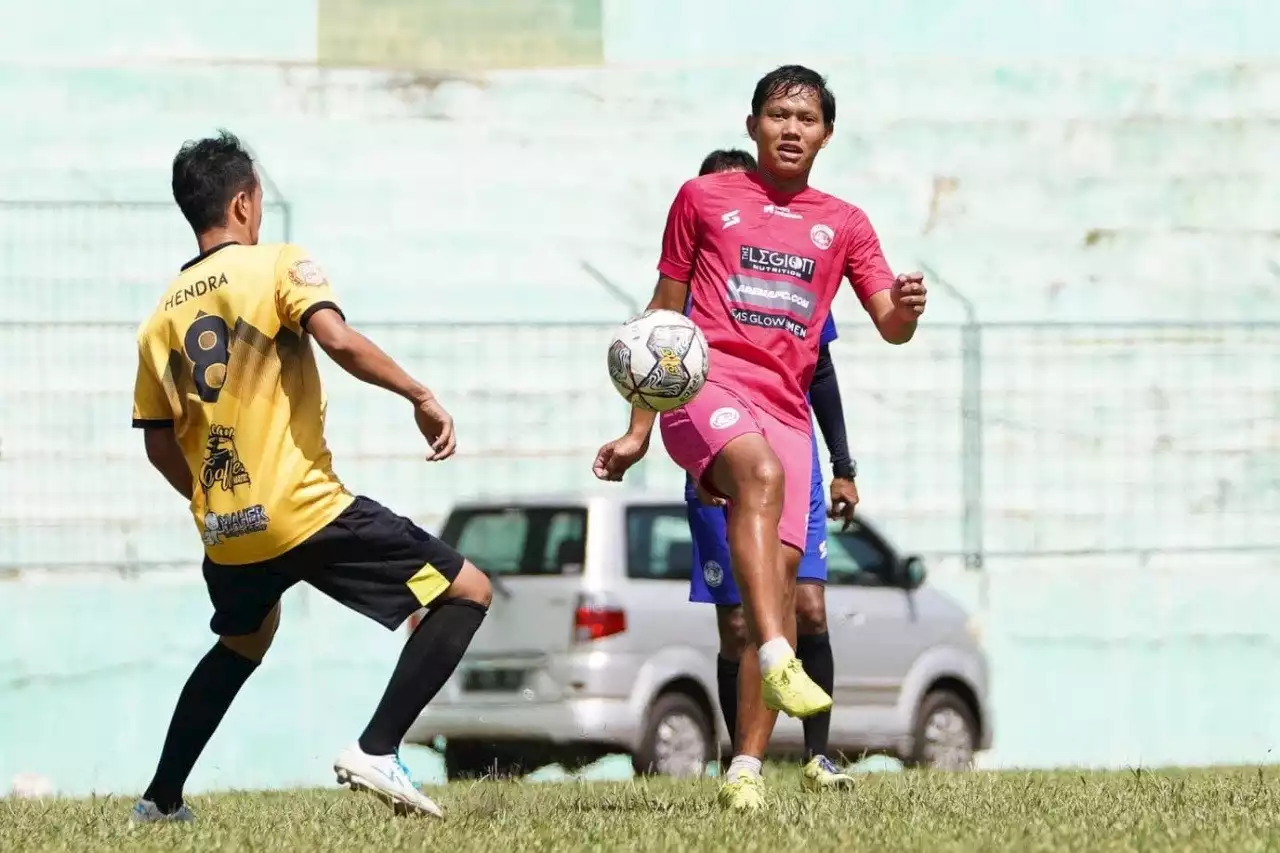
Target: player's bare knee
{"points": [[471, 584], [761, 484], [748, 471], [811, 610], [254, 646], [732, 622]]}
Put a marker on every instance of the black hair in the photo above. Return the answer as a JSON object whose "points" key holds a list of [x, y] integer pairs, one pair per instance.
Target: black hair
{"points": [[788, 80], [727, 160], [207, 175]]}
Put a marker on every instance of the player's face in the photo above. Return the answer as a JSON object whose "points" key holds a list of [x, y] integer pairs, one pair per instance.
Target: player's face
{"points": [[789, 133]]}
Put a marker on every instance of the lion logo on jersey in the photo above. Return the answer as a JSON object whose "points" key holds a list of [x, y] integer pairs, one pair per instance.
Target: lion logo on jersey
{"points": [[222, 464]]}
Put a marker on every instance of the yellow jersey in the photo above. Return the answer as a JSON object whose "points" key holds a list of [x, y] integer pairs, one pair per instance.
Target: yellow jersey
{"points": [[226, 361]]}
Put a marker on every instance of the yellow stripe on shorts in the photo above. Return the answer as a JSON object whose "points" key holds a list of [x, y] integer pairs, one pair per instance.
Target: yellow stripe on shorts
{"points": [[427, 585]]}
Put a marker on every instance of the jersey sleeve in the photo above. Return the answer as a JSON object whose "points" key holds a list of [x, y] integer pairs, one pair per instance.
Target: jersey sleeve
{"points": [[151, 406], [302, 288], [680, 238], [864, 265], [828, 332]]}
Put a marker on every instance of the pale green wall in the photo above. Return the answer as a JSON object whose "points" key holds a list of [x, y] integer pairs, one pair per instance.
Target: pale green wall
{"points": [[680, 30]]}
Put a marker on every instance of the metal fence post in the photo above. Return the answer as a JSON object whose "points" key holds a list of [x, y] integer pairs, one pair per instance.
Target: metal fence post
{"points": [[971, 450], [971, 455]]}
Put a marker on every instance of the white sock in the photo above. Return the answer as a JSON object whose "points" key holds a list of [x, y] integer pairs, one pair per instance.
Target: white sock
{"points": [[775, 653], [743, 765]]}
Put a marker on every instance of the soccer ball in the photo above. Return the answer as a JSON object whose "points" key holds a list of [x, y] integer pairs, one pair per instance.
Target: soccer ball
{"points": [[658, 361]]}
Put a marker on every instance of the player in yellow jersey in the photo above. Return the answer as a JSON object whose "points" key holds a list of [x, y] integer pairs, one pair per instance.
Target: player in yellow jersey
{"points": [[232, 412]]}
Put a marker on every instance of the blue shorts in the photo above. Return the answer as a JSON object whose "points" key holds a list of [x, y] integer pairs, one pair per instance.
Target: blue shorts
{"points": [[712, 581]]}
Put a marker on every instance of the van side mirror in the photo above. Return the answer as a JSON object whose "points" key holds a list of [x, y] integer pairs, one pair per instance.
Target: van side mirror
{"points": [[911, 572]]}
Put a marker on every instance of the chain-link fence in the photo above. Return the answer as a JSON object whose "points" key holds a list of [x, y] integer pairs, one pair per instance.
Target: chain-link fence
{"points": [[971, 440]]}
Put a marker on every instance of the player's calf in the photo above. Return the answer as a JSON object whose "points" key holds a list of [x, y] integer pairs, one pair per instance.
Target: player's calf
{"points": [[204, 700], [428, 660], [749, 473], [813, 648], [731, 623]]}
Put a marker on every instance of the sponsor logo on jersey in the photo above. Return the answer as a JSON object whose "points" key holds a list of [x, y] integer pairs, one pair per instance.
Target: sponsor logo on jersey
{"points": [[766, 296], [757, 259], [784, 212], [749, 317], [822, 236], [307, 273], [222, 465], [220, 526]]}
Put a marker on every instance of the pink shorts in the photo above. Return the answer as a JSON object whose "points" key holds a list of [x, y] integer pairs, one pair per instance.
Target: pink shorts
{"points": [[696, 433]]}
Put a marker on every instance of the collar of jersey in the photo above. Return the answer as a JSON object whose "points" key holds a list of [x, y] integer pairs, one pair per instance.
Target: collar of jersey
{"points": [[200, 257]]}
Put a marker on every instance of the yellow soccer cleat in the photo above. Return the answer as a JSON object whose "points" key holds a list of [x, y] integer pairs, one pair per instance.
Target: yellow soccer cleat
{"points": [[822, 774], [743, 793], [789, 689]]}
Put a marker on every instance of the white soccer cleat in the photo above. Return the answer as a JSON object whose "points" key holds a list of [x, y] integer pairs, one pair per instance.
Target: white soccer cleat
{"points": [[145, 811], [384, 776]]}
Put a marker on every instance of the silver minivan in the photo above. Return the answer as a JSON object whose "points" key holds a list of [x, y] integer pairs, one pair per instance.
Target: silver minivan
{"points": [[592, 648]]}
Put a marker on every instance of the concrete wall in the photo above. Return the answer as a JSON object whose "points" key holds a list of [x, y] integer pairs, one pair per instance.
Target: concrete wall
{"points": [[670, 30], [1085, 161]]}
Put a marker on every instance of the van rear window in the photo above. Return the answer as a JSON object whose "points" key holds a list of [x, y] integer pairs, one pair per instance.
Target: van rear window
{"points": [[658, 543], [520, 541]]}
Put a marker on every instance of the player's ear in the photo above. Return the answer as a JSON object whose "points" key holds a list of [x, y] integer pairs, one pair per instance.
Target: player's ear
{"points": [[752, 124], [241, 207]]}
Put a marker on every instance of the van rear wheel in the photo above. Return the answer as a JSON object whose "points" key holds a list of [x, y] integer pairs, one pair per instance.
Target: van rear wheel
{"points": [[946, 733], [677, 738]]}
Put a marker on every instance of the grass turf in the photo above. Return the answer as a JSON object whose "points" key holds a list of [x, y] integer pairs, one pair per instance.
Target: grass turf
{"points": [[1235, 810]]}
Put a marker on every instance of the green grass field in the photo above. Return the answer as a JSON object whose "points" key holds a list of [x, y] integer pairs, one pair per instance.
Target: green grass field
{"points": [[1234, 810]]}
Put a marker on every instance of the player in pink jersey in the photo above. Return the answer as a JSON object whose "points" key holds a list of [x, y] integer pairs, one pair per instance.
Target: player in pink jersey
{"points": [[759, 256]]}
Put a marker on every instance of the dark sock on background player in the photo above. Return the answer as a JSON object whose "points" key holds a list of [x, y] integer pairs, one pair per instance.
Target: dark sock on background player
{"points": [[727, 687], [426, 663], [814, 651], [208, 693]]}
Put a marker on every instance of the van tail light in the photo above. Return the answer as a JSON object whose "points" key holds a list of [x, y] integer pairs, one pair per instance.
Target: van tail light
{"points": [[595, 619]]}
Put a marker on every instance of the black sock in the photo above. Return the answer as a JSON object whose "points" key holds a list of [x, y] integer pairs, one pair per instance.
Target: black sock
{"points": [[727, 685], [814, 652], [428, 659], [203, 702]]}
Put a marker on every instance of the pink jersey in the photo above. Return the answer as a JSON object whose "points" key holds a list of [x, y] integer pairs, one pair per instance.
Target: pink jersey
{"points": [[762, 269]]}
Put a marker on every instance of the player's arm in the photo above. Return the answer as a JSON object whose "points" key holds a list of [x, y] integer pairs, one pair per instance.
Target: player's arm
{"points": [[671, 295], [153, 413], [306, 303], [828, 411], [675, 271], [165, 455], [361, 357], [895, 304]]}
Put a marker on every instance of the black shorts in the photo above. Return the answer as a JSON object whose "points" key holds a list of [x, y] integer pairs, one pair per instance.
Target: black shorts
{"points": [[368, 558]]}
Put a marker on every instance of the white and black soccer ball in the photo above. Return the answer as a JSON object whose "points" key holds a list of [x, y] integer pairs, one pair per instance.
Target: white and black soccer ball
{"points": [[659, 360]]}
